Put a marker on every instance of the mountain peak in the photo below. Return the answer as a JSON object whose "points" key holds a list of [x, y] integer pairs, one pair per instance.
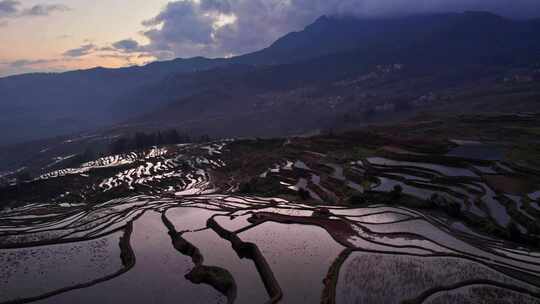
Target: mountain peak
{"points": [[320, 23], [322, 19], [482, 15]]}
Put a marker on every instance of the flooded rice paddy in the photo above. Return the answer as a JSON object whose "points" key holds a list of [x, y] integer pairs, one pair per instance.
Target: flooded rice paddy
{"points": [[174, 230], [252, 250]]}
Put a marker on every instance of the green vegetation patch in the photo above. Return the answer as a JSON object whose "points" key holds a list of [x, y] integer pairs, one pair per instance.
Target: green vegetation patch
{"points": [[526, 152]]}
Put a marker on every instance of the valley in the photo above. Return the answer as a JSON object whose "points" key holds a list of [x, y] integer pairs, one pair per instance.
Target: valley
{"points": [[450, 217]]}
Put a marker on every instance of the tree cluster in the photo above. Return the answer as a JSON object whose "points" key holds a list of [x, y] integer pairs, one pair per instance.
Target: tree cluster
{"points": [[141, 140]]}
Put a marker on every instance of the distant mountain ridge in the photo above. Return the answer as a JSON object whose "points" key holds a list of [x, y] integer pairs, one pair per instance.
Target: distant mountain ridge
{"points": [[452, 53], [44, 105]]}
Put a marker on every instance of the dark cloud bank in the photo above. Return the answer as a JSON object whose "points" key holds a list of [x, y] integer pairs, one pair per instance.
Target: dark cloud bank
{"points": [[218, 28], [13, 8], [8, 7], [81, 51]]}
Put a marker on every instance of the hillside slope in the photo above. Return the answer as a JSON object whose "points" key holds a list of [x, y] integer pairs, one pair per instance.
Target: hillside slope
{"points": [[331, 49]]}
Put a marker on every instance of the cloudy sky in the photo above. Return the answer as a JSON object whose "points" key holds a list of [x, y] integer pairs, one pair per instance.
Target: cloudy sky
{"points": [[59, 35]]}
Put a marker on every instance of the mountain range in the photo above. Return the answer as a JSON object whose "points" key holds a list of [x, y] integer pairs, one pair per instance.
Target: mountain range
{"points": [[337, 72]]}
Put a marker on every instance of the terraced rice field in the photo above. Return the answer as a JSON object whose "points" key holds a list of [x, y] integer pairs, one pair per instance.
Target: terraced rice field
{"points": [[217, 248], [174, 229]]}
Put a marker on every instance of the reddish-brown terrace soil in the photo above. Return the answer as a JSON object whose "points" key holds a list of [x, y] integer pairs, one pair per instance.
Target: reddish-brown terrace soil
{"points": [[510, 185], [340, 230]]}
